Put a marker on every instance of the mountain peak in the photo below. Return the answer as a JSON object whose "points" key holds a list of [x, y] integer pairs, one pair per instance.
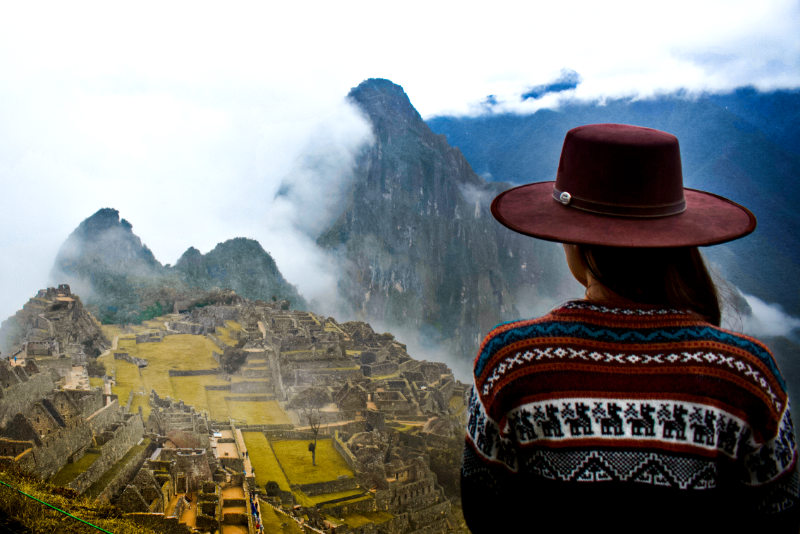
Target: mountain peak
{"points": [[379, 97], [102, 220]]}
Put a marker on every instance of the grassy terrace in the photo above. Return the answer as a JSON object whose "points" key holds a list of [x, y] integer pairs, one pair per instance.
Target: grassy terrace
{"points": [[95, 382], [278, 523], [183, 351], [296, 461], [357, 520], [68, 473], [227, 335], [264, 461]]}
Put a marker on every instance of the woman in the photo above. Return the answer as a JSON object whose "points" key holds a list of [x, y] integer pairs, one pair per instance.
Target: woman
{"points": [[630, 410]]}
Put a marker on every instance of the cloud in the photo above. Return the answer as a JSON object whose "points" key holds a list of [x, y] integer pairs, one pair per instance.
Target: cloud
{"points": [[767, 320], [309, 199], [187, 117]]}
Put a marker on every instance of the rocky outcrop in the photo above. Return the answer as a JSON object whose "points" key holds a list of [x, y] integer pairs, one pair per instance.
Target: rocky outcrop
{"points": [[53, 323], [418, 245]]}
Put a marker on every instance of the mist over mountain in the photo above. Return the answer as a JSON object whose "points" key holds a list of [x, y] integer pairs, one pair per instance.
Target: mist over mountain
{"points": [[240, 264], [744, 145], [121, 281], [417, 246]]}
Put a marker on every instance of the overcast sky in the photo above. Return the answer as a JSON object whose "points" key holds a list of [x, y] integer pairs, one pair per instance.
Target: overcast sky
{"points": [[186, 117]]}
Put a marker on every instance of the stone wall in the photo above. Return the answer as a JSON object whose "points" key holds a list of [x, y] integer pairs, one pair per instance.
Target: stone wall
{"points": [[160, 523], [150, 337], [60, 446], [13, 448], [349, 457], [193, 372], [379, 369], [183, 327], [354, 506], [250, 386], [324, 376], [138, 362], [104, 417], [124, 475], [330, 486], [126, 434], [20, 396], [218, 342]]}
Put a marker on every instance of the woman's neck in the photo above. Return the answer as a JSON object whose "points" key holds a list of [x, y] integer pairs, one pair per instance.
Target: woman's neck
{"points": [[598, 293]]}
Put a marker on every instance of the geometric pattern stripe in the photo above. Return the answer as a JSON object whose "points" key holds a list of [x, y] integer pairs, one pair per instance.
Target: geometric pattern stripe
{"points": [[627, 425], [569, 325], [727, 362]]}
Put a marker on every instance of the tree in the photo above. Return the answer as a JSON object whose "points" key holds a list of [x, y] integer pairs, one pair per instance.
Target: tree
{"points": [[310, 402]]}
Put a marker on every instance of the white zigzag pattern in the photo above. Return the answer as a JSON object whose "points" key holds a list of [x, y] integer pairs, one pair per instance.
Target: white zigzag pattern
{"points": [[567, 353]]}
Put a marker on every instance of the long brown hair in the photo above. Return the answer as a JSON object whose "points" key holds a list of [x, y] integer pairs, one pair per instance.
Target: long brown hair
{"points": [[676, 277]]}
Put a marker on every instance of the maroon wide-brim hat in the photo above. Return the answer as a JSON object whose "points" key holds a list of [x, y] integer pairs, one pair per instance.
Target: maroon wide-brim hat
{"points": [[619, 185]]}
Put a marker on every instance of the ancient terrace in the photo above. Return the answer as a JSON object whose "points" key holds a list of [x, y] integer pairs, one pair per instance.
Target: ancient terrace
{"points": [[227, 400]]}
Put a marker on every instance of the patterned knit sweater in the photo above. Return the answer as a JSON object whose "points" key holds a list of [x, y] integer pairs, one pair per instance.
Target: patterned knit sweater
{"points": [[644, 419]]}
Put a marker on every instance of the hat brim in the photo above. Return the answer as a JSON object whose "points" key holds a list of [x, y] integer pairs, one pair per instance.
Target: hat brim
{"points": [[709, 219]]}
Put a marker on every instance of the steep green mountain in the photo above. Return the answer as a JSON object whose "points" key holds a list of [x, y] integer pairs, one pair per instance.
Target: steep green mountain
{"points": [[239, 264], [416, 241], [106, 262], [744, 145], [123, 282]]}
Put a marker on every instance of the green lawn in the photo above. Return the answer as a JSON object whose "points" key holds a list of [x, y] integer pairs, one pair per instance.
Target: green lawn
{"points": [[357, 520], [227, 334], [296, 461], [68, 473], [263, 460], [276, 523], [257, 413]]}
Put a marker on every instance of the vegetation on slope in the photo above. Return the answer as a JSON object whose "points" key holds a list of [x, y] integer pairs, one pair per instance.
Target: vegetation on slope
{"points": [[19, 513]]}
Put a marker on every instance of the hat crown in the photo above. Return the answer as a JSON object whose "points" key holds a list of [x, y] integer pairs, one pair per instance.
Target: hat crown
{"points": [[622, 170]]}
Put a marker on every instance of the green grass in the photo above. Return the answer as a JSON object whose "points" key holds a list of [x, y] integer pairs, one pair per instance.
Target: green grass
{"points": [[258, 413], [263, 460], [357, 520], [99, 485], [296, 461], [40, 519], [273, 522], [225, 334], [185, 352], [69, 472], [95, 382]]}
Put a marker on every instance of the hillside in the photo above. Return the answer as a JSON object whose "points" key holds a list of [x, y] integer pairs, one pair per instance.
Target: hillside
{"points": [[124, 283]]}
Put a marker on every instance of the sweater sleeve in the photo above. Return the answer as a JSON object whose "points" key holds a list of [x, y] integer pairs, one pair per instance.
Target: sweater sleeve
{"points": [[488, 478], [769, 470]]}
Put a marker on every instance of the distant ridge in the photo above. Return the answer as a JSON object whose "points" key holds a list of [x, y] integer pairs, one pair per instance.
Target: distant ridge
{"points": [[123, 282], [744, 145]]}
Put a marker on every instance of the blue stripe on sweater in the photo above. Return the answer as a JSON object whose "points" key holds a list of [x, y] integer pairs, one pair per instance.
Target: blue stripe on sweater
{"points": [[623, 335]]}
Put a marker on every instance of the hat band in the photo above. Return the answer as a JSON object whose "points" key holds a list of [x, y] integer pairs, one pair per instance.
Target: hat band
{"points": [[619, 210]]}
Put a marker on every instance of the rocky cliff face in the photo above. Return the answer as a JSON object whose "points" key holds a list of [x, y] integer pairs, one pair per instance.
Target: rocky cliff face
{"points": [[419, 247]]}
